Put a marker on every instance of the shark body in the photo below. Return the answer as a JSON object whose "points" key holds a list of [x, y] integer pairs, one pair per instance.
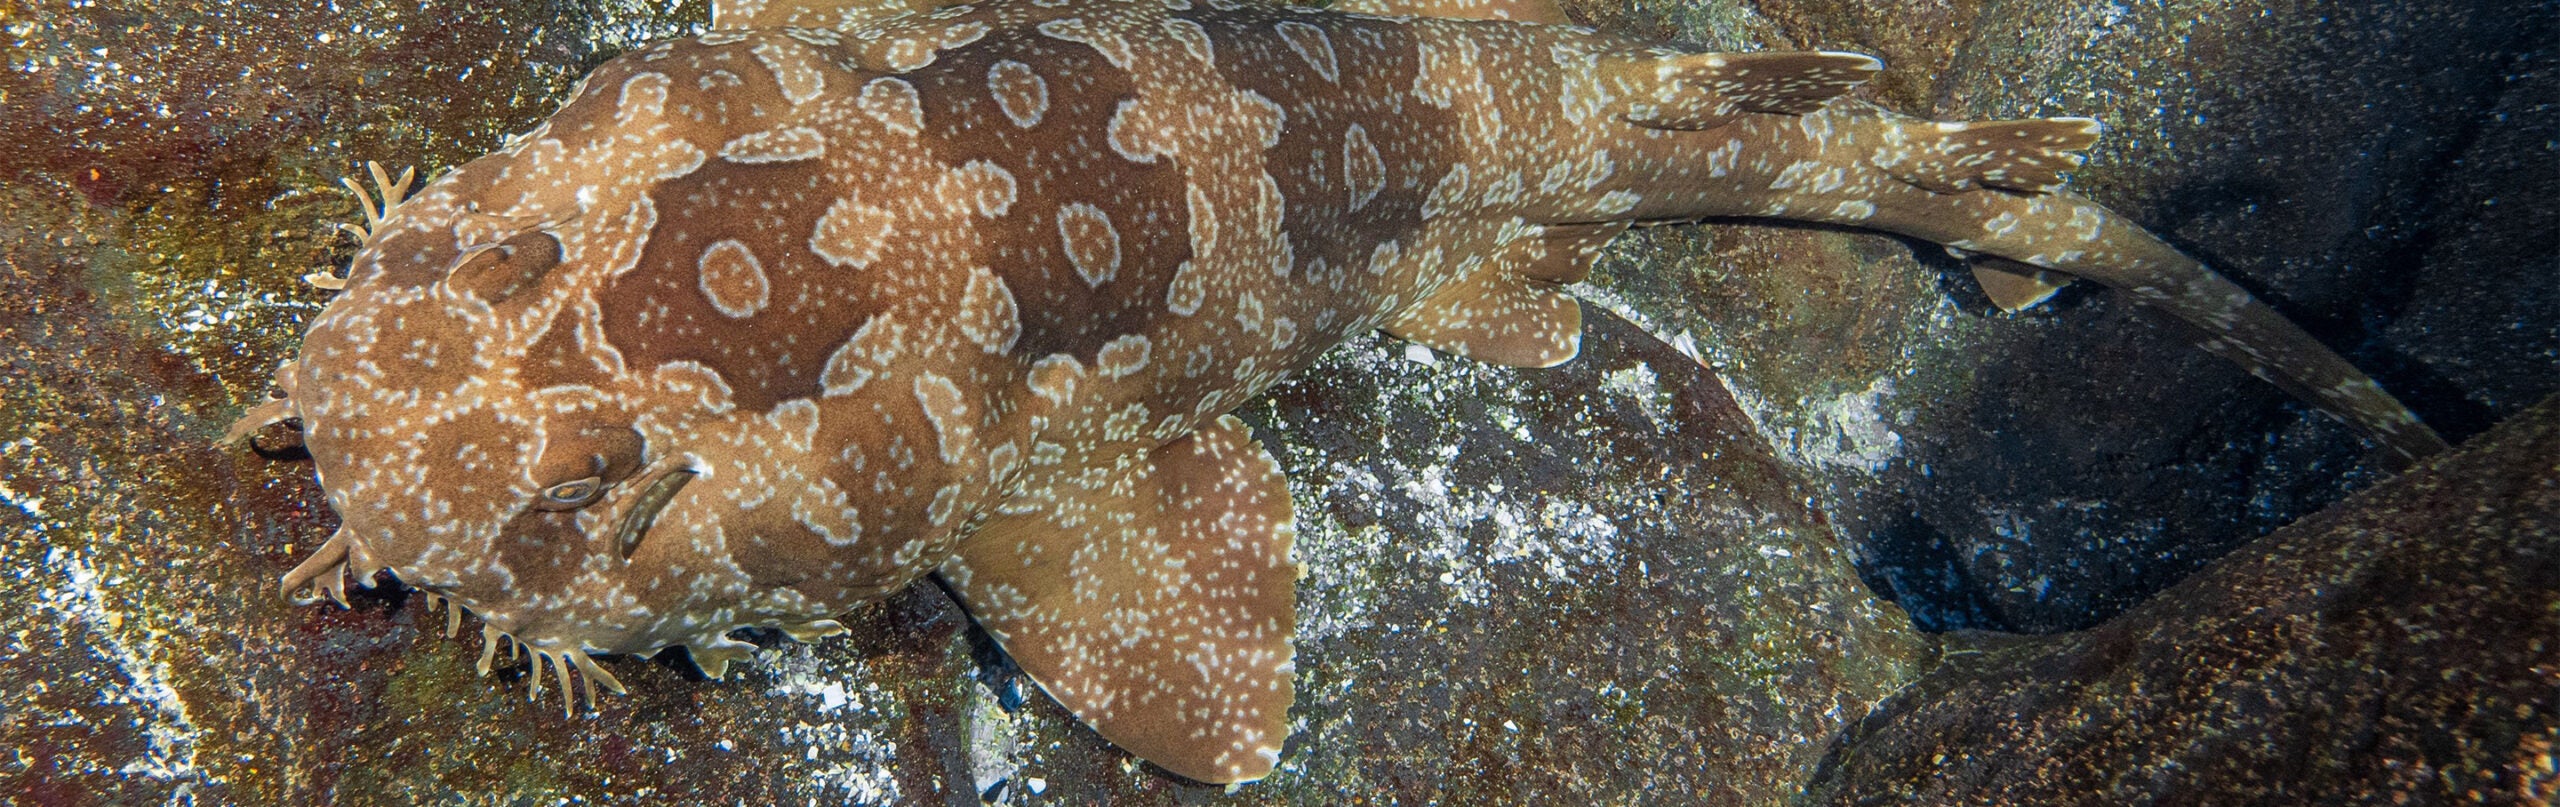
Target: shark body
{"points": [[773, 321]]}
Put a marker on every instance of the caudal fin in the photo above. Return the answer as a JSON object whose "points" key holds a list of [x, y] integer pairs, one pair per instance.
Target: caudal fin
{"points": [[1993, 188]]}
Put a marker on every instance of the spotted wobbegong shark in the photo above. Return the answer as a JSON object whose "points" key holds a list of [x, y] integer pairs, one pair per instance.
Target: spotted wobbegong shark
{"points": [[773, 321]]}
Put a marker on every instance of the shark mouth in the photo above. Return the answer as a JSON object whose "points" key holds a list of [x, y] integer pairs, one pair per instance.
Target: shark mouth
{"points": [[555, 661], [328, 571], [558, 662], [645, 508], [345, 558]]}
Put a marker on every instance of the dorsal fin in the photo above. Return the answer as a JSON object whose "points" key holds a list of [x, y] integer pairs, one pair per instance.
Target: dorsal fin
{"points": [[1496, 318], [1544, 11], [1154, 599], [733, 14], [1562, 253], [1697, 91], [1513, 312]]}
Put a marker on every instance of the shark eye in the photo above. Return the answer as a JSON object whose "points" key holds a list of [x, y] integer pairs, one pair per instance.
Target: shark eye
{"points": [[571, 495]]}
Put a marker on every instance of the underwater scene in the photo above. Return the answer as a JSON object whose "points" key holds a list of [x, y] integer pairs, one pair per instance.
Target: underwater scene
{"points": [[1206, 402]]}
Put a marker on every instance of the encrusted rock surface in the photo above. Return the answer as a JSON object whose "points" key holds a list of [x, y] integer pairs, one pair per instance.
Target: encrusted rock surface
{"points": [[1606, 582], [2402, 647]]}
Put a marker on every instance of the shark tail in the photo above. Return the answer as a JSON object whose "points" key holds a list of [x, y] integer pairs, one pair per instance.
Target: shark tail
{"points": [[1993, 189]]}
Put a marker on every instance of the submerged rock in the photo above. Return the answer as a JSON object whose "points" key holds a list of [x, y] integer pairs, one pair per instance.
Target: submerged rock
{"points": [[1606, 582], [2402, 647], [2376, 173]]}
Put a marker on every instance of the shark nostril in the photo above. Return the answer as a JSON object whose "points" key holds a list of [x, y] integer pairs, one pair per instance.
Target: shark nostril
{"points": [[644, 510]]}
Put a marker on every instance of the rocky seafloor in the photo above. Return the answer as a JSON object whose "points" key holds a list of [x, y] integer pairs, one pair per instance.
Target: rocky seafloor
{"points": [[1808, 522]]}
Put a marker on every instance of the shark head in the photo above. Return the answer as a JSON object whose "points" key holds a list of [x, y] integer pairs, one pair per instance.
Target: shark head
{"points": [[610, 390]]}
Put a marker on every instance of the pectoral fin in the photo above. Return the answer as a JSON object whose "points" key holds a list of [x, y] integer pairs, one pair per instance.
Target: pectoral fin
{"points": [[1153, 599], [1514, 311], [1497, 318]]}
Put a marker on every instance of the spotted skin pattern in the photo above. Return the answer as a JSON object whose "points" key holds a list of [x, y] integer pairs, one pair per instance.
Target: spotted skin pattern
{"points": [[773, 321]]}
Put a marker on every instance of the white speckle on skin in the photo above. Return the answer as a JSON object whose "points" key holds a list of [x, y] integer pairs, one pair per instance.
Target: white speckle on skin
{"points": [[791, 144], [692, 379], [852, 234], [1312, 45], [963, 34], [1854, 210], [2001, 225], [1362, 170], [1616, 203], [794, 70], [1195, 40], [948, 410], [1113, 47], [988, 315], [1122, 356], [643, 98], [733, 279], [1135, 134], [1385, 257], [1092, 243], [893, 102], [1019, 92], [1264, 118], [1183, 296], [987, 187], [820, 37], [863, 355], [1053, 377]]}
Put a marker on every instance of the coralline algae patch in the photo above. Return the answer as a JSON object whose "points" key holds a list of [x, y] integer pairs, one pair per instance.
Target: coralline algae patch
{"points": [[1826, 434], [1848, 431], [1476, 537], [131, 669], [844, 745]]}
